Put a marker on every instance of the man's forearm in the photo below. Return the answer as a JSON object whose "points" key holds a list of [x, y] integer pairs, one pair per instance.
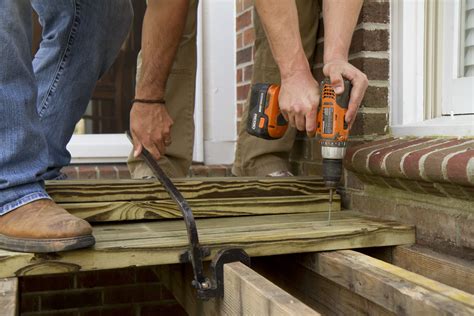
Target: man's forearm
{"points": [[280, 21], [299, 93], [162, 30], [340, 18]]}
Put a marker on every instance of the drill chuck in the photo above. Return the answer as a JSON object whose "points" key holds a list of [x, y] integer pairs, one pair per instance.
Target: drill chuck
{"points": [[332, 172], [333, 151], [332, 163]]}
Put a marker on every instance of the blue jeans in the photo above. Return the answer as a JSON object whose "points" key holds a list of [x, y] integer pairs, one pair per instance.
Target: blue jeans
{"points": [[41, 100]]}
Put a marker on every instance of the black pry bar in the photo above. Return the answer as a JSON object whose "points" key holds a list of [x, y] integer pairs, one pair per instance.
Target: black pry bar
{"points": [[205, 287], [195, 251]]}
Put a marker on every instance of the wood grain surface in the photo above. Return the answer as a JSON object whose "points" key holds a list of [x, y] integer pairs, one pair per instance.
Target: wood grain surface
{"points": [[161, 242]]}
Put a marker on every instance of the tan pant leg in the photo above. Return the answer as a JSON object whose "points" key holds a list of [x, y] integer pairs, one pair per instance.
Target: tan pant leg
{"points": [[259, 157], [179, 98]]}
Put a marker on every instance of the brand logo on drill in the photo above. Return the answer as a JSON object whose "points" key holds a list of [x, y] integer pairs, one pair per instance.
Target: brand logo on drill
{"points": [[254, 121], [328, 114]]}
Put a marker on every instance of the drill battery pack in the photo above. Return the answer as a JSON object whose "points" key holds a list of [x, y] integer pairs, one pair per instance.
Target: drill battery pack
{"points": [[265, 119]]}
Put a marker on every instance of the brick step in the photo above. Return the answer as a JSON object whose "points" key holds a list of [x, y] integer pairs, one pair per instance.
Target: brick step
{"points": [[120, 171]]}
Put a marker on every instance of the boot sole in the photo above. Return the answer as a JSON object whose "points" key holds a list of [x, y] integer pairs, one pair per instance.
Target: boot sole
{"points": [[45, 245]]}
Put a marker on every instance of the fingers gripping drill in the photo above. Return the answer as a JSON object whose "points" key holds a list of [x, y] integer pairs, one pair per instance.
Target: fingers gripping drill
{"points": [[266, 121]]}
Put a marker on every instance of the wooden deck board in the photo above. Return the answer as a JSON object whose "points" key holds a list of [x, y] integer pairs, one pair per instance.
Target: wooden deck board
{"points": [[67, 191], [124, 200], [167, 209], [161, 242]]}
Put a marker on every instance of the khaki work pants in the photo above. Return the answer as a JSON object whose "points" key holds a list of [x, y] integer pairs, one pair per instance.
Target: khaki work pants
{"points": [[259, 157], [179, 97], [254, 156]]}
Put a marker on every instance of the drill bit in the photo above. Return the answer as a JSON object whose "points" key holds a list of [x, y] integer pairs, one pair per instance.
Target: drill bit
{"points": [[330, 207]]}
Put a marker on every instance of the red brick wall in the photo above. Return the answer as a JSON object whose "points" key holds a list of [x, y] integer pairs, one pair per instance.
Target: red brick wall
{"points": [[120, 171], [120, 292], [369, 52], [97, 171], [245, 39]]}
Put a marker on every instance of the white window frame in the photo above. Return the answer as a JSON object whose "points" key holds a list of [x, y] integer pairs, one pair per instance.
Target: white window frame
{"points": [[99, 148], [408, 79], [215, 103], [455, 84]]}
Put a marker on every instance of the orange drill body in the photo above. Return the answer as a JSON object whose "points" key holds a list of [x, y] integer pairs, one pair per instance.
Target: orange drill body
{"points": [[266, 121], [333, 130], [331, 125]]}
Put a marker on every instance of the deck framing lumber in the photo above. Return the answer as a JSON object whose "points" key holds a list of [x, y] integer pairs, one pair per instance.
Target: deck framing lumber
{"points": [[9, 297], [245, 293], [443, 268], [318, 292], [396, 289]]}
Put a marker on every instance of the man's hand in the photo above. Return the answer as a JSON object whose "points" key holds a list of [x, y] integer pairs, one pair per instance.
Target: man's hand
{"points": [[299, 92], [299, 100], [340, 19], [338, 69], [150, 127], [163, 27]]}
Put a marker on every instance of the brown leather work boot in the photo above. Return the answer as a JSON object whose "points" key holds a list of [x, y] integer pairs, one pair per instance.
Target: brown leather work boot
{"points": [[43, 226]]}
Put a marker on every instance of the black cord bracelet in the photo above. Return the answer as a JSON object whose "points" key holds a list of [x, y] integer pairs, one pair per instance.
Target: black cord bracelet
{"points": [[148, 101]]}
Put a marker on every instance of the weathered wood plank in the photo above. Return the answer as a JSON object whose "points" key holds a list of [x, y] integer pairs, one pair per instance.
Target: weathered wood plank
{"points": [[218, 207], [442, 268], [319, 293], [162, 242], [100, 200], [176, 279], [66, 191], [394, 288], [9, 297], [248, 293], [245, 293]]}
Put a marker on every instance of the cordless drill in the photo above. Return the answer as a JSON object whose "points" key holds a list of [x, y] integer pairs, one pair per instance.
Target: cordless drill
{"points": [[266, 121]]}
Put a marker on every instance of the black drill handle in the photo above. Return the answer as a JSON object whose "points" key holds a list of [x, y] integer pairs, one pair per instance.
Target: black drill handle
{"points": [[341, 99]]}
